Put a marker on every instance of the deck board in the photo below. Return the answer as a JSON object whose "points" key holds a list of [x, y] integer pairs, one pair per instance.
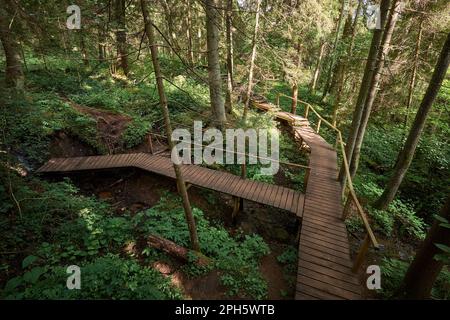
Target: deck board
{"points": [[324, 268]]}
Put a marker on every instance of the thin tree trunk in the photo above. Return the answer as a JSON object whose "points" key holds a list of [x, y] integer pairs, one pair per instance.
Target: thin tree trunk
{"points": [[252, 61], [170, 25], [333, 52], [189, 33], [412, 82], [163, 102], [295, 85], [355, 24], [84, 53], [376, 76], [215, 82], [424, 269], [364, 87], [339, 73], [121, 35], [406, 155], [14, 76], [229, 30], [317, 69]]}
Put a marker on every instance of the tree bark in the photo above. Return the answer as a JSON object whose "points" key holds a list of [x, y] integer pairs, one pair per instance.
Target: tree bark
{"points": [[175, 250], [412, 82], [373, 88], [229, 30], [295, 85], [252, 61], [14, 75], [317, 69], [215, 82], [333, 51], [407, 153], [189, 33], [165, 110], [339, 73], [121, 35], [364, 87], [424, 269]]}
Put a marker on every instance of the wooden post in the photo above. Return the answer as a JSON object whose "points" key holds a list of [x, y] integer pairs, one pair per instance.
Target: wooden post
{"points": [[150, 143], [346, 210], [278, 100], [307, 111], [305, 182], [361, 254], [318, 125], [236, 207]]}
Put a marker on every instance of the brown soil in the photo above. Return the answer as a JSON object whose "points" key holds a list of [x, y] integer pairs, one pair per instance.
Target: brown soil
{"points": [[280, 286]]}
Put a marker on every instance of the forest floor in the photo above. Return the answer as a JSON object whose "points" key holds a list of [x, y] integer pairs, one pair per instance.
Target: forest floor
{"points": [[134, 190]]}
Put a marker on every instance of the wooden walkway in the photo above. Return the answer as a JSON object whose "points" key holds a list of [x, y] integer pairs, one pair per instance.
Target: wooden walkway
{"points": [[264, 193], [324, 265]]}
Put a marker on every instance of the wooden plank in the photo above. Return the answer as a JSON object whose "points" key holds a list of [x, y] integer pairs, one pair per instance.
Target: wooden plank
{"points": [[323, 262], [328, 288], [308, 234], [324, 249], [329, 229], [343, 262], [312, 274], [310, 290], [329, 272]]}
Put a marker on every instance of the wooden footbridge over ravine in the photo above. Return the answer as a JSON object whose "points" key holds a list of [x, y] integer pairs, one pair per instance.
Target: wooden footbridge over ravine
{"points": [[325, 270]]}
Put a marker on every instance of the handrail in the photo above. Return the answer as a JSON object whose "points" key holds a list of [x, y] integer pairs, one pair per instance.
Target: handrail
{"points": [[349, 184], [242, 153]]}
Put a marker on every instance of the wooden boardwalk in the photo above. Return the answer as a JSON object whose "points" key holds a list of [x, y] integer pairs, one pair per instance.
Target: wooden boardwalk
{"points": [[263, 193], [324, 265]]}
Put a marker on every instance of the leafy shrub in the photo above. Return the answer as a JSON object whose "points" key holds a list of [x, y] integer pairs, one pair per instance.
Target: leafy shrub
{"points": [[238, 260], [108, 277], [393, 272]]}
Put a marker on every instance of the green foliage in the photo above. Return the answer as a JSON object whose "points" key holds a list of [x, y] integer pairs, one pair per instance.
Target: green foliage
{"points": [[236, 258], [135, 132], [393, 272], [108, 277], [399, 217]]}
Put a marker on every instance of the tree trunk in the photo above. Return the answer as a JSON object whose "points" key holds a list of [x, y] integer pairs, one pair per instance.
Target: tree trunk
{"points": [[163, 102], [412, 82], [364, 88], [339, 73], [317, 69], [424, 269], [189, 33], [333, 51], [406, 155], [215, 82], [175, 250], [252, 62], [170, 25], [295, 85], [373, 88], [14, 76], [229, 30], [121, 36]]}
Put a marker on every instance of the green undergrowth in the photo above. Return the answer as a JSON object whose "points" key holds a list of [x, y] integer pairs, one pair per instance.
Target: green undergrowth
{"points": [[393, 272], [57, 227], [236, 258]]}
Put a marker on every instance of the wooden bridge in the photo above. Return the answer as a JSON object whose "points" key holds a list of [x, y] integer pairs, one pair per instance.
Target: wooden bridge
{"points": [[325, 270], [264, 193], [324, 264]]}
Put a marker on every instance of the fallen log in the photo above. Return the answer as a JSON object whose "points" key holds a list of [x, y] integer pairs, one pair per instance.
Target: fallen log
{"points": [[175, 250]]}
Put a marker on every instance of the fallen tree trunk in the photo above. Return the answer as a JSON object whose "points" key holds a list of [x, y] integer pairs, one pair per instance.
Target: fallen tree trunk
{"points": [[175, 250]]}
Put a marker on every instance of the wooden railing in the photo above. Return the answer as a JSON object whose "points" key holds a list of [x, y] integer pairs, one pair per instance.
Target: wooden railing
{"points": [[349, 190]]}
